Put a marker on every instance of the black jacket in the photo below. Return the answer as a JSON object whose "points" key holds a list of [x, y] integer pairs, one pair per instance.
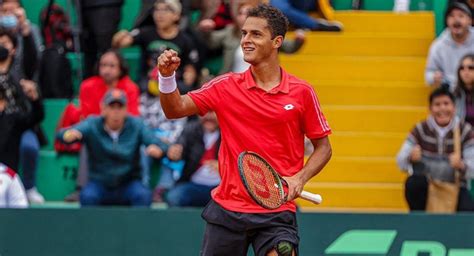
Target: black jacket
{"points": [[12, 126], [192, 140]]}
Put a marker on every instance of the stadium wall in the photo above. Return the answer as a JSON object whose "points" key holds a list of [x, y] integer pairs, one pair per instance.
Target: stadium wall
{"points": [[119, 231]]}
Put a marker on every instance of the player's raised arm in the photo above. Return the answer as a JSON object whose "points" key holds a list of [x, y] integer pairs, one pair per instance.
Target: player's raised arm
{"points": [[174, 105]]}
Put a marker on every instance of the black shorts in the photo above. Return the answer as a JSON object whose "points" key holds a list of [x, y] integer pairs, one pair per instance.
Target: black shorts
{"points": [[230, 233]]}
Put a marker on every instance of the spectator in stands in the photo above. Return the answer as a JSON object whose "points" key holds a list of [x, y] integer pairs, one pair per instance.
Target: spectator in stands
{"points": [[164, 129], [297, 13], [215, 14], [12, 193], [100, 20], [163, 36], [13, 18], [14, 84], [198, 146], [454, 42], [428, 151], [113, 141], [464, 91], [229, 39], [13, 123], [112, 72], [468, 3]]}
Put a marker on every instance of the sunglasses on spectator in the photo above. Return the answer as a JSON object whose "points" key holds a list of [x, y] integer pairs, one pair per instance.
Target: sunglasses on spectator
{"points": [[470, 67], [167, 9]]}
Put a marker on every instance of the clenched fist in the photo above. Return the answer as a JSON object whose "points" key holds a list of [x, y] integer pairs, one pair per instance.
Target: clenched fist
{"points": [[168, 63]]}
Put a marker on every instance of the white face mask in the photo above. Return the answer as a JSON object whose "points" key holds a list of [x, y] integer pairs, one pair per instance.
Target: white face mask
{"points": [[8, 21]]}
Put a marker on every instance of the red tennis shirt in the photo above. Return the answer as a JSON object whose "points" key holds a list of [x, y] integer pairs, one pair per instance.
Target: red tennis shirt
{"points": [[272, 124]]}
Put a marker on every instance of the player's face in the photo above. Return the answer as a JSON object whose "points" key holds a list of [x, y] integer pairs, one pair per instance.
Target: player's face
{"points": [[109, 67], [256, 41], [164, 16], [443, 110], [466, 72], [458, 23], [114, 115]]}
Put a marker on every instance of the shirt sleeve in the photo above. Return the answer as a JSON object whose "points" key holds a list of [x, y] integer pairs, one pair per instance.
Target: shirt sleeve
{"points": [[315, 124], [16, 194], [208, 97], [432, 65]]}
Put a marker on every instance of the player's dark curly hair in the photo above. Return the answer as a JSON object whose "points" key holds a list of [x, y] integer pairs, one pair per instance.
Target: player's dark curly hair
{"points": [[277, 21]]}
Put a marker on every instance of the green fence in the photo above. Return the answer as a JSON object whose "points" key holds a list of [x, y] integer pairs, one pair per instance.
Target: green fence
{"points": [[179, 232]]}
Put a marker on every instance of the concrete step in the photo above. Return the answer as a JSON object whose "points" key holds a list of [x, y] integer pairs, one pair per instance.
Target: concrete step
{"points": [[312, 67], [373, 118], [360, 170], [359, 44]]}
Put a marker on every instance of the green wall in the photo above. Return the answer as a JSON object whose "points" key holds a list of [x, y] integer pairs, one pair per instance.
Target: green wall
{"points": [[118, 231]]}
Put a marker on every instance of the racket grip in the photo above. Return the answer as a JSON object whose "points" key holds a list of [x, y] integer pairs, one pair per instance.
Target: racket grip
{"points": [[315, 198]]}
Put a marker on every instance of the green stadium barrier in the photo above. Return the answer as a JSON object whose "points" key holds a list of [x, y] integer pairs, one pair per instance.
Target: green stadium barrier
{"points": [[56, 176], [178, 232]]}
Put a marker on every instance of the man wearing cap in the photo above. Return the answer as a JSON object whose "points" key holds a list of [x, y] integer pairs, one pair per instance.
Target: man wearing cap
{"points": [[468, 3], [113, 141], [447, 50], [165, 35]]}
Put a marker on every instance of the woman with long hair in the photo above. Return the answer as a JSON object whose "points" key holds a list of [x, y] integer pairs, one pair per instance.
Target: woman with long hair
{"points": [[464, 91]]}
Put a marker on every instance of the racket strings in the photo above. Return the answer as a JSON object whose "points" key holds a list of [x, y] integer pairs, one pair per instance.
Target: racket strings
{"points": [[263, 186]]}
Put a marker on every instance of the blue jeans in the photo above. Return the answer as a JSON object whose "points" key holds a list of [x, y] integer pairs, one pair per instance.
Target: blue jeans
{"points": [[297, 12], [189, 194], [29, 152], [132, 193]]}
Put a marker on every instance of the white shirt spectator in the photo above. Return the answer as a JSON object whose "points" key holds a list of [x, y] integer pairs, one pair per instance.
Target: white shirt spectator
{"points": [[12, 192]]}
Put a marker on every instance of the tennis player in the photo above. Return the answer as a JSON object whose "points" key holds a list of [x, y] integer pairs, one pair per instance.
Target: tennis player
{"points": [[264, 110]]}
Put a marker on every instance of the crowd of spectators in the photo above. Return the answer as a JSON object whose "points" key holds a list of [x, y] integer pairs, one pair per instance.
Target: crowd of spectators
{"points": [[126, 136], [429, 154], [124, 133]]}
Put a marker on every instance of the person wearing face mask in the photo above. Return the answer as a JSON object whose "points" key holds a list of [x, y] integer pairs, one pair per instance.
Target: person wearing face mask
{"points": [[13, 84], [13, 18], [429, 152], [454, 42]]}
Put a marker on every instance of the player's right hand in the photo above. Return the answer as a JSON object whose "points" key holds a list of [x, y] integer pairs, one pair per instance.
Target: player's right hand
{"points": [[415, 155], [168, 63]]}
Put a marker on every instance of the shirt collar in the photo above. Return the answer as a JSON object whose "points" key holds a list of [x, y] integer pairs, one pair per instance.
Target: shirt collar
{"points": [[283, 87]]}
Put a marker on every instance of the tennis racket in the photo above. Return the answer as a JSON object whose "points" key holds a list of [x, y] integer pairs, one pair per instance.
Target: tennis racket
{"points": [[266, 187]]}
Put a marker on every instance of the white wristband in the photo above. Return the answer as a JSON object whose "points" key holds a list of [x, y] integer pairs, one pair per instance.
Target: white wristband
{"points": [[167, 84]]}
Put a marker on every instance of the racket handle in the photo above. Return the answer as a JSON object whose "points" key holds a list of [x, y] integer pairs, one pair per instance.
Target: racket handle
{"points": [[315, 198]]}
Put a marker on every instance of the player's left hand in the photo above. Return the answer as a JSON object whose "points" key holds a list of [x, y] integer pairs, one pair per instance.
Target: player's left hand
{"points": [[295, 186]]}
